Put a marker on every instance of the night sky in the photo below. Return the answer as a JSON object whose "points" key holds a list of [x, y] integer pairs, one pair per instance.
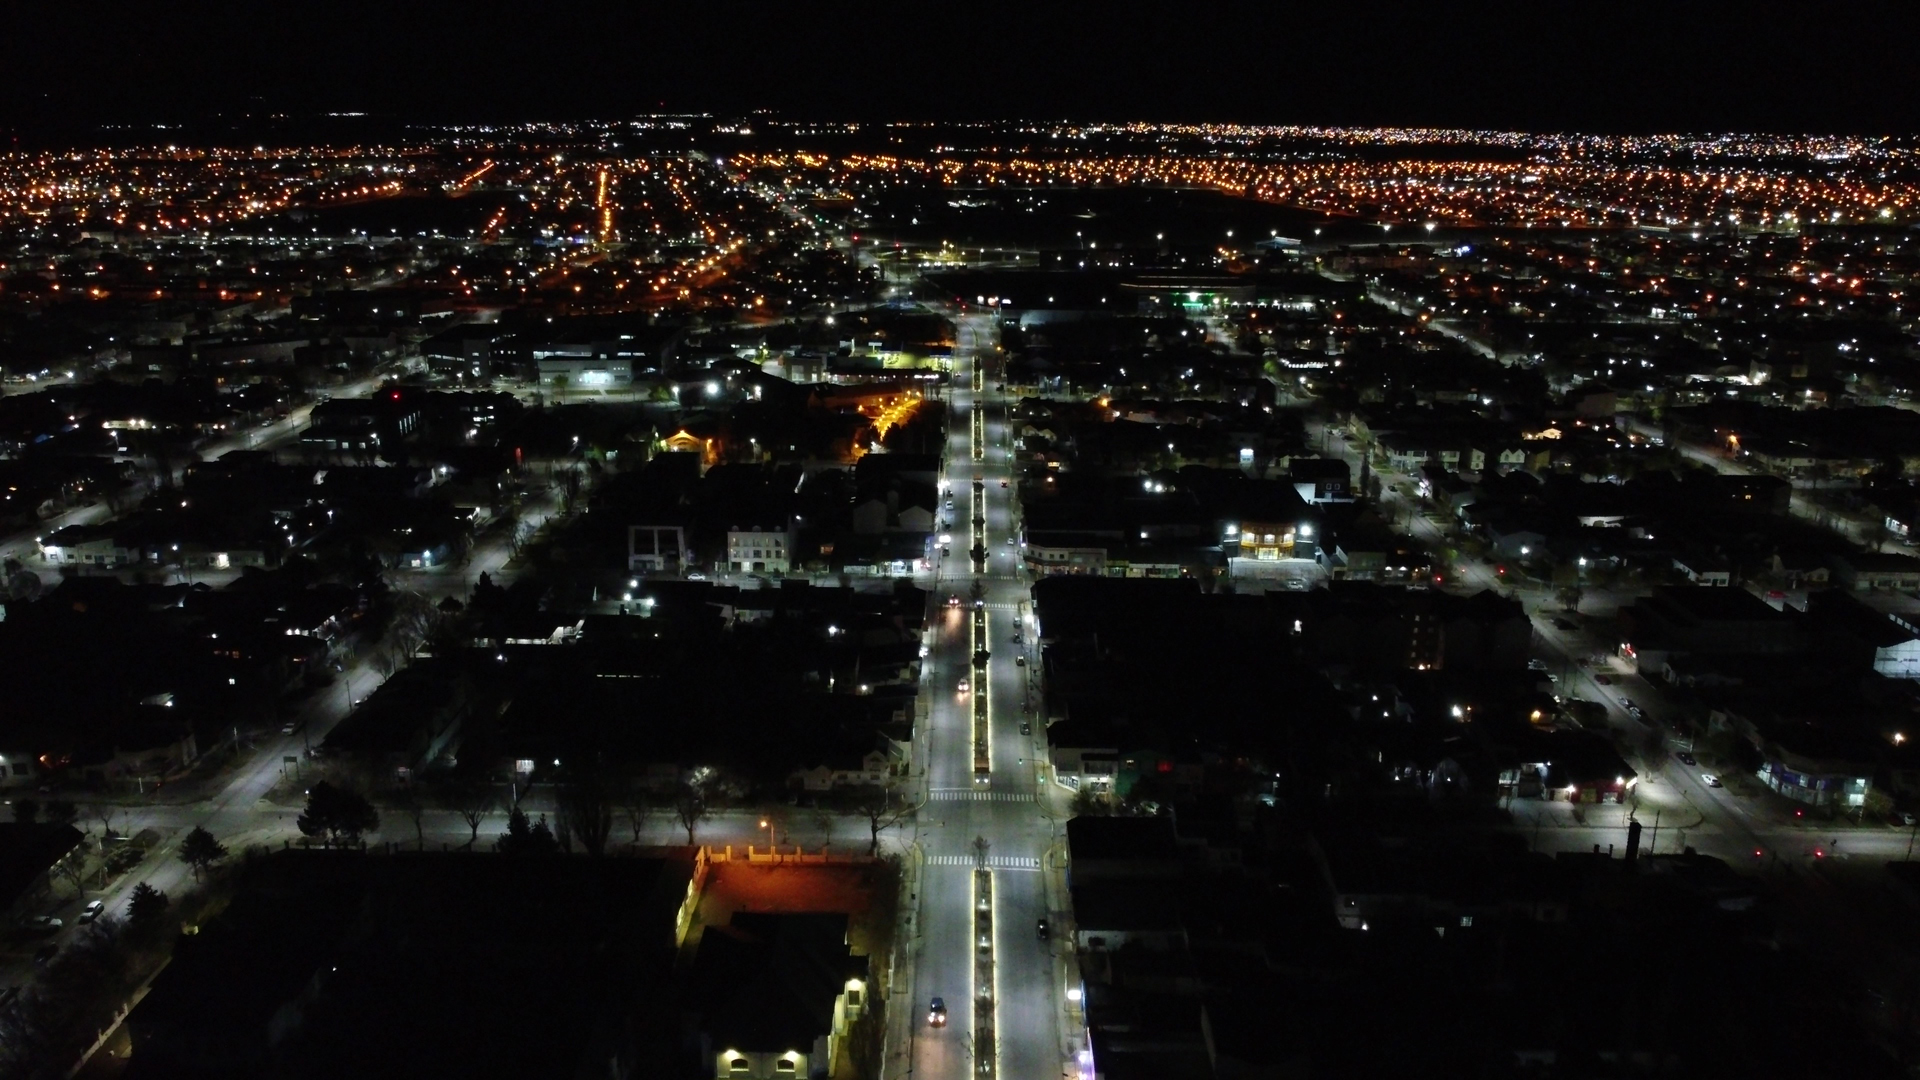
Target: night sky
{"points": [[1544, 65]]}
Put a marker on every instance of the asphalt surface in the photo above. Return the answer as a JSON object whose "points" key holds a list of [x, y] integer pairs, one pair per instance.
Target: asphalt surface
{"points": [[1015, 812]]}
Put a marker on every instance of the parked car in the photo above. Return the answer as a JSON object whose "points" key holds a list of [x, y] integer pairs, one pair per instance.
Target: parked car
{"points": [[291, 726], [1564, 624], [44, 924], [937, 1013], [1043, 930], [1603, 680], [1906, 817], [1685, 758], [92, 910]]}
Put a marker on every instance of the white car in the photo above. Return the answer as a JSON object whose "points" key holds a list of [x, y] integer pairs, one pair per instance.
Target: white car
{"points": [[964, 686], [92, 910], [1710, 780], [45, 924]]}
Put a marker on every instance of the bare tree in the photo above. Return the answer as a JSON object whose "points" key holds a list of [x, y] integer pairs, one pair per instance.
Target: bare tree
{"points": [[415, 809], [104, 813], [586, 808], [635, 804], [981, 845], [689, 808], [884, 809], [73, 871], [473, 800]]}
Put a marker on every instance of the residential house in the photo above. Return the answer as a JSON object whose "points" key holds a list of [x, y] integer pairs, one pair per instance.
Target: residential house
{"points": [[772, 996]]}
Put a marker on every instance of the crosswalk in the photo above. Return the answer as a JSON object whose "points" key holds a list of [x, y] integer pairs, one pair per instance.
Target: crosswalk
{"points": [[972, 795], [994, 862]]}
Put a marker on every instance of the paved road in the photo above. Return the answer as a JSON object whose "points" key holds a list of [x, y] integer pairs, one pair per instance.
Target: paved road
{"points": [[1016, 812]]}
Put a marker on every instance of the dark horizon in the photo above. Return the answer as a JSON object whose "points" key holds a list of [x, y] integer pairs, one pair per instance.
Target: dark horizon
{"points": [[1624, 69]]}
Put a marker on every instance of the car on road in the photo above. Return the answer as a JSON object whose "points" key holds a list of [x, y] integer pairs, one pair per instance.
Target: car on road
{"points": [[937, 1013], [695, 575], [1042, 929], [1026, 728], [1603, 680], [964, 686], [291, 726], [1636, 712], [1626, 702], [1019, 661], [44, 924], [1710, 780], [1536, 664], [1685, 758], [1564, 624], [92, 911], [1003, 483]]}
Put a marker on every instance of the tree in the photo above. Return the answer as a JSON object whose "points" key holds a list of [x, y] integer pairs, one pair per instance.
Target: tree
{"points": [[104, 813], [883, 809], [689, 808], [471, 799], [73, 871], [527, 838], [146, 908], [635, 804], [415, 808], [200, 850], [26, 811], [1567, 585], [337, 815], [61, 812], [585, 809], [1088, 804], [981, 846]]}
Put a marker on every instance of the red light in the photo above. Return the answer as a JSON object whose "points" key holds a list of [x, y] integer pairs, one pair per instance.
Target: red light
{"points": [[396, 395], [1757, 853], [1165, 766], [1819, 853]]}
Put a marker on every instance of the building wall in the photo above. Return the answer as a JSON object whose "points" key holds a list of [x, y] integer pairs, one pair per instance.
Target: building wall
{"points": [[759, 550]]}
